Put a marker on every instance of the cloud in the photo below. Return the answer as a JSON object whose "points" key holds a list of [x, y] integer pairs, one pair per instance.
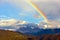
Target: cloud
{"points": [[51, 25], [4, 17], [11, 22], [7, 22], [37, 16], [22, 14], [21, 22], [10, 29], [16, 24], [51, 9], [45, 0], [55, 24]]}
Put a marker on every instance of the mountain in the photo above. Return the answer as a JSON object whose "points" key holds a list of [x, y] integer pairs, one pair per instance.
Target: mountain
{"points": [[29, 29], [34, 29], [12, 35]]}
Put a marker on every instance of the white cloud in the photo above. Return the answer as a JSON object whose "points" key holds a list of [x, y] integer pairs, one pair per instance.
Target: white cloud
{"points": [[21, 22], [14, 23], [52, 24], [11, 22], [7, 22], [10, 29]]}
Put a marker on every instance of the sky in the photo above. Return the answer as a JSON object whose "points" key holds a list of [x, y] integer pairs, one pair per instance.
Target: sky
{"points": [[16, 12], [21, 10]]}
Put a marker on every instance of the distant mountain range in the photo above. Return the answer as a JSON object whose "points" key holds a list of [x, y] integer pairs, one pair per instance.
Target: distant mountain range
{"points": [[30, 28], [33, 29]]}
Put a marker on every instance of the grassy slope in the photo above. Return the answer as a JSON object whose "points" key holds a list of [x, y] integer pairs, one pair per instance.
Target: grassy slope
{"points": [[9, 35]]}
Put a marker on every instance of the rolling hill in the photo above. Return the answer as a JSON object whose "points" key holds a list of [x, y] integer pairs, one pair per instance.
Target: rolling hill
{"points": [[11, 35]]}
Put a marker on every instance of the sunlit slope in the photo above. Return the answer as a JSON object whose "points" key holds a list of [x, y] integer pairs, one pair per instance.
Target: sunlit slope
{"points": [[9, 35]]}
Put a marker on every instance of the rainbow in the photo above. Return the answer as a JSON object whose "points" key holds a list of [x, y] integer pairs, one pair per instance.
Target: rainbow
{"points": [[38, 10]]}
